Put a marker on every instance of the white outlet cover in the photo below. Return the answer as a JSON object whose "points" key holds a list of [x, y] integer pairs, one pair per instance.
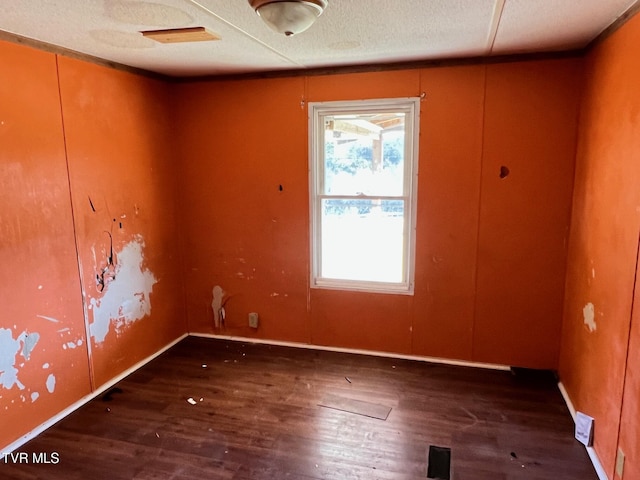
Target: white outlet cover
{"points": [[584, 429]]}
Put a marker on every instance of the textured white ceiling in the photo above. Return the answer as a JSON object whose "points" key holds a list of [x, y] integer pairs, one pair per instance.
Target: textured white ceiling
{"points": [[350, 32]]}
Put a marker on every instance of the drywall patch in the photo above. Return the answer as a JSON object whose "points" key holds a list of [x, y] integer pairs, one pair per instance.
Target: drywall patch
{"points": [[126, 299], [589, 314]]}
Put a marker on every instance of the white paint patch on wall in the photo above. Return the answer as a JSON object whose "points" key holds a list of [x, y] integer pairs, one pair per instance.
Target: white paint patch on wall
{"points": [[51, 383], [126, 299], [72, 344], [29, 341], [589, 314], [9, 348], [34, 396]]}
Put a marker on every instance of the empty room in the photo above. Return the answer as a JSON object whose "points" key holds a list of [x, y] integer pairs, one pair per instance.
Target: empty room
{"points": [[320, 239]]}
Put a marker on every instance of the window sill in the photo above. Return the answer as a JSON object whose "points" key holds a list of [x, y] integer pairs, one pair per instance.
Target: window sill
{"points": [[364, 287]]}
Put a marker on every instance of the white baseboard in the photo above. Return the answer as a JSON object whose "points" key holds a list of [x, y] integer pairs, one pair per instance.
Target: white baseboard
{"points": [[87, 398], [445, 361], [590, 450]]}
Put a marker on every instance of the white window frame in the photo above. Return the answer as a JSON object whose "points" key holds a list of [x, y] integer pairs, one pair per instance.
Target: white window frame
{"points": [[316, 113]]}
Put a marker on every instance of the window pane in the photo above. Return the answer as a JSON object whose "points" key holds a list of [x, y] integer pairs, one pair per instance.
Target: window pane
{"points": [[364, 154], [362, 239]]}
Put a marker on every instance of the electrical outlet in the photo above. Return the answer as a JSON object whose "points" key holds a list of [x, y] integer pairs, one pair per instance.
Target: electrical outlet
{"points": [[253, 320]]}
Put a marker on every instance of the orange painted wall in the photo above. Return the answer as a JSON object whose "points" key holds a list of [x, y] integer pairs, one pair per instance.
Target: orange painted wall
{"points": [[120, 148], [531, 111], [629, 438], [242, 139], [70, 131], [449, 191], [603, 249], [39, 283]]}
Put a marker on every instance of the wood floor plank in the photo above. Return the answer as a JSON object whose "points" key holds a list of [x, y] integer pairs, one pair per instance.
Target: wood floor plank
{"points": [[259, 419], [358, 407]]}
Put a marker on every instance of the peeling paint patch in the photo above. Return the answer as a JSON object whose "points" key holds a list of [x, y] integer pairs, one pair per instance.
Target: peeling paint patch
{"points": [[589, 313], [219, 297], [126, 299], [51, 383], [34, 396], [9, 348], [29, 341]]}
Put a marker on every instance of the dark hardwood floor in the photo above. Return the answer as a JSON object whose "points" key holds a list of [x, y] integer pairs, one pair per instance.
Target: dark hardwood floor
{"points": [[256, 416]]}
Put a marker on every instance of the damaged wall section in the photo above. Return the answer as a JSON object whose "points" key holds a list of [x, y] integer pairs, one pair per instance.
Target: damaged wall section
{"points": [[39, 285], [111, 195], [122, 171]]}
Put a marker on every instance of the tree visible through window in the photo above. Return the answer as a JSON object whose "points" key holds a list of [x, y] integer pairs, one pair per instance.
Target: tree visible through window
{"points": [[363, 190]]}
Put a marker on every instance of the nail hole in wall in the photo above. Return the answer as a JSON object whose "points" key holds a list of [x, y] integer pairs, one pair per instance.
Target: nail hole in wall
{"points": [[504, 172]]}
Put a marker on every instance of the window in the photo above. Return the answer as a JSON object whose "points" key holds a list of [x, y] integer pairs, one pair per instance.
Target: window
{"points": [[363, 180]]}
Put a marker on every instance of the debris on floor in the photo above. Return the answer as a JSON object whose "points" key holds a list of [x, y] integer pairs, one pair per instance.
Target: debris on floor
{"points": [[191, 401]]}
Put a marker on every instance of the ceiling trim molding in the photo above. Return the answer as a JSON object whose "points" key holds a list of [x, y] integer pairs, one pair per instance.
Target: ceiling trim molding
{"points": [[498, 9], [383, 67], [631, 12], [65, 52]]}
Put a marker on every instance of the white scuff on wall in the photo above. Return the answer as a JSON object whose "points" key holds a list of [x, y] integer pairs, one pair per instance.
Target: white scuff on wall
{"points": [[589, 315], [217, 304], [127, 298]]}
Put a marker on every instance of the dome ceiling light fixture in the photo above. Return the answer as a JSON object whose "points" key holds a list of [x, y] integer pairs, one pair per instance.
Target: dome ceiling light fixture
{"points": [[289, 16]]}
